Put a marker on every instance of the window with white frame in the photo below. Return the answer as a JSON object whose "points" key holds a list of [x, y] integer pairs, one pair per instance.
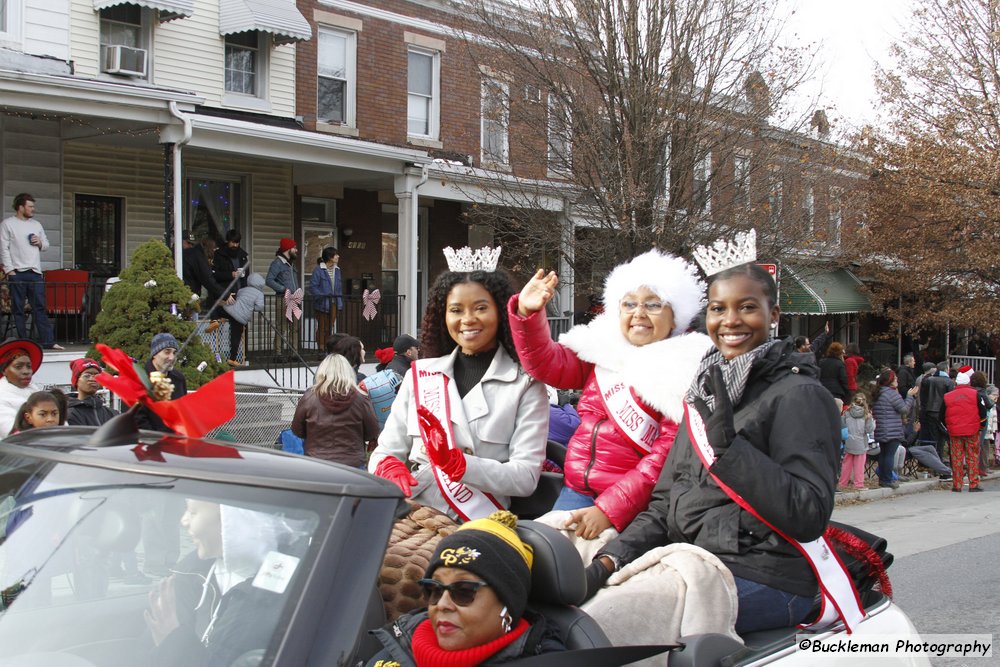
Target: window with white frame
{"points": [[10, 21], [4, 10], [560, 131], [336, 85], [775, 194], [702, 176], [808, 207], [495, 110], [246, 62], [836, 214], [124, 40], [423, 92], [741, 182]]}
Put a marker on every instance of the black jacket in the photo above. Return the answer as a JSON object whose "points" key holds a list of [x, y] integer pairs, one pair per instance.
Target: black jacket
{"points": [[245, 619], [197, 273], [400, 364], [833, 375], [784, 461], [146, 418], [398, 635], [905, 379], [226, 261], [932, 391], [89, 411]]}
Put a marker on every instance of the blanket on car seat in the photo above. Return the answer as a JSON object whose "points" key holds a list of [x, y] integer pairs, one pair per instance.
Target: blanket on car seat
{"points": [[666, 593]]}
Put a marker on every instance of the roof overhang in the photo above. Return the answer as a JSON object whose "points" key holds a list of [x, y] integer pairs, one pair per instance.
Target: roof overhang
{"points": [[279, 18], [169, 9], [821, 292], [291, 145]]}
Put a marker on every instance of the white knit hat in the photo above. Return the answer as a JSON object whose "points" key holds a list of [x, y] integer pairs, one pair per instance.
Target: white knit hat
{"points": [[670, 278]]}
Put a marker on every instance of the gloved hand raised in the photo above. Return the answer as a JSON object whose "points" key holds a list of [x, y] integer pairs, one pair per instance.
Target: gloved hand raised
{"points": [[395, 471], [719, 422], [451, 461]]}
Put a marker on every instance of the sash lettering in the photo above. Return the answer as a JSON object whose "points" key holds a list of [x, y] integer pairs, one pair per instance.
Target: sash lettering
{"points": [[430, 389], [639, 424], [840, 598]]}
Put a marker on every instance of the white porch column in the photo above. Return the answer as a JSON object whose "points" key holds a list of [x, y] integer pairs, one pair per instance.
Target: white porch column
{"points": [[567, 245], [405, 188]]}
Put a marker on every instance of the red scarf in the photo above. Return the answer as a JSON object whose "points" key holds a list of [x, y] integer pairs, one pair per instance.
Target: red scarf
{"points": [[427, 652]]}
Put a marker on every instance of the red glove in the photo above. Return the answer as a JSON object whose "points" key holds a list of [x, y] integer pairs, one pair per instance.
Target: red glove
{"points": [[395, 471], [451, 461]]}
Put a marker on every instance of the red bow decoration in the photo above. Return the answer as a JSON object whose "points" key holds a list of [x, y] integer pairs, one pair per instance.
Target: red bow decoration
{"points": [[184, 447], [193, 415], [370, 300], [293, 305]]}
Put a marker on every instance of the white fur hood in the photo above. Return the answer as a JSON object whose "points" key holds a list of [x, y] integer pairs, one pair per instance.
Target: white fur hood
{"points": [[661, 372]]}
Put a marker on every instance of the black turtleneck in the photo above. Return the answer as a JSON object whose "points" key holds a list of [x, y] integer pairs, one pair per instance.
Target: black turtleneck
{"points": [[470, 369]]}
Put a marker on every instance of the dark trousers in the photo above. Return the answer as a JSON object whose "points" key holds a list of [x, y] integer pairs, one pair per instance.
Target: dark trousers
{"points": [[31, 286], [887, 460], [235, 338]]}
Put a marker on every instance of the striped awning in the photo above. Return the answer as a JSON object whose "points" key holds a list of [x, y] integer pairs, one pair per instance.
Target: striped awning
{"points": [[279, 18], [817, 292], [169, 9]]}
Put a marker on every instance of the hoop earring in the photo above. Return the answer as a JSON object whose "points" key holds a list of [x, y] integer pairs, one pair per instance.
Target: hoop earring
{"points": [[505, 620]]}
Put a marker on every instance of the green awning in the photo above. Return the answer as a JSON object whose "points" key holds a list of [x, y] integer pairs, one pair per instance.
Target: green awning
{"points": [[813, 292]]}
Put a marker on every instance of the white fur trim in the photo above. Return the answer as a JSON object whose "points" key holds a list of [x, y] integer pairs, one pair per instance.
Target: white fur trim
{"points": [[671, 278], [660, 372]]}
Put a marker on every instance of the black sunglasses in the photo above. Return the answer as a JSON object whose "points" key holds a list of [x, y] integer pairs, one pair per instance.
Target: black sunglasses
{"points": [[463, 593]]}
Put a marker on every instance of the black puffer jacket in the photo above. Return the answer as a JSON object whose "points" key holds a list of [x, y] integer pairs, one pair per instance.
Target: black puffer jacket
{"points": [[784, 461], [398, 635], [89, 411]]}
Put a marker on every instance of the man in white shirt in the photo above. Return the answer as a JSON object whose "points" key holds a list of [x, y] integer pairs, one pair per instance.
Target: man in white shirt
{"points": [[22, 241]]}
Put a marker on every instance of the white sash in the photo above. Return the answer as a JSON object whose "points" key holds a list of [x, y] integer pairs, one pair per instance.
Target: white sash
{"points": [[430, 389], [840, 598], [638, 423]]}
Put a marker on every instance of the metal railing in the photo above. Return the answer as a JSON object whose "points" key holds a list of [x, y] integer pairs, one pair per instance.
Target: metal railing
{"points": [[985, 364], [71, 307]]}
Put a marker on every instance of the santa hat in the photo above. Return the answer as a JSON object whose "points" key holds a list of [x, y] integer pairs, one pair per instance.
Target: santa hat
{"points": [[964, 375]]}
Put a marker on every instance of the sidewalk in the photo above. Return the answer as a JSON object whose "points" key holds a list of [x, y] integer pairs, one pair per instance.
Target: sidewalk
{"points": [[905, 488]]}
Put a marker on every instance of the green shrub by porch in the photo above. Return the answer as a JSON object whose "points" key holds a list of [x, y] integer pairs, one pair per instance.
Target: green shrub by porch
{"points": [[131, 313]]}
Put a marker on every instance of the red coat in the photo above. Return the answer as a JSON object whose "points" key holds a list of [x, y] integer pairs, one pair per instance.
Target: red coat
{"points": [[852, 363], [600, 460], [961, 411]]}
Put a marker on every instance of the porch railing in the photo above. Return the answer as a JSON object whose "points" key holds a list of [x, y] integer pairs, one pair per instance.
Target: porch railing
{"points": [[71, 306], [985, 364]]}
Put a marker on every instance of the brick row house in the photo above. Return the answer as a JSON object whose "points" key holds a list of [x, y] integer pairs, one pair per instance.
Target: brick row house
{"points": [[360, 124]]}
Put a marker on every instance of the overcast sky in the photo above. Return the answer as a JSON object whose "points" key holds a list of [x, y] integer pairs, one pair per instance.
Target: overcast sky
{"points": [[851, 35]]}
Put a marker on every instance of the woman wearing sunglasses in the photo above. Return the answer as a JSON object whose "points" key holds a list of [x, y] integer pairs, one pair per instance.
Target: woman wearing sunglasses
{"points": [[634, 364], [476, 588]]}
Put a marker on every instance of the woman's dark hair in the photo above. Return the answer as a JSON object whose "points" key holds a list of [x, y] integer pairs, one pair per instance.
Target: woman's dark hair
{"points": [[208, 246], [799, 341], [978, 380], [855, 351], [21, 424], [883, 380], [835, 349], [754, 272], [348, 347], [434, 338]]}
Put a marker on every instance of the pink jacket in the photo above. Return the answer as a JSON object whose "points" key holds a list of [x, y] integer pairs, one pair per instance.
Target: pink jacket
{"points": [[600, 460]]}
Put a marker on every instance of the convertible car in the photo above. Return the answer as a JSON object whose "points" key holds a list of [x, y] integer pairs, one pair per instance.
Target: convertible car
{"points": [[256, 558]]}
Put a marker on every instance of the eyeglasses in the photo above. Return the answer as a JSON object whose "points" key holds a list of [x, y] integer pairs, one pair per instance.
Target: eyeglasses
{"points": [[463, 593], [651, 307]]}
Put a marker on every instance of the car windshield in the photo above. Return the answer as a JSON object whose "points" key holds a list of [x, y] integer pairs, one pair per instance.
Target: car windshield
{"points": [[104, 567]]}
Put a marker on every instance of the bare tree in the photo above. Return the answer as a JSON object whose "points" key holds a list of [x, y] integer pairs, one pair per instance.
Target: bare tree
{"points": [[656, 119], [934, 204]]}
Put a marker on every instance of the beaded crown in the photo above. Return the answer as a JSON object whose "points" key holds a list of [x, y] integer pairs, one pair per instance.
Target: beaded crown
{"points": [[723, 254], [466, 259]]}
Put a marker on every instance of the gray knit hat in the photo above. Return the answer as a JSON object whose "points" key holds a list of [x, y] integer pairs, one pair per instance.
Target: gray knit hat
{"points": [[162, 341]]}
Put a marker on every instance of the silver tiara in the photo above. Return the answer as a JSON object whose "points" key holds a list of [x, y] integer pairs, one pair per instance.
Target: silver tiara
{"points": [[723, 254], [466, 259]]}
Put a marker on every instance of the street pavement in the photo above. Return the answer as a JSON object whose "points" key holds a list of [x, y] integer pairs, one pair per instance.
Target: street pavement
{"points": [[946, 575]]}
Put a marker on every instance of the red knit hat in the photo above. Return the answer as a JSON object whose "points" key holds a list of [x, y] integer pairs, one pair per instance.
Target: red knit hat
{"points": [[78, 366], [284, 245]]}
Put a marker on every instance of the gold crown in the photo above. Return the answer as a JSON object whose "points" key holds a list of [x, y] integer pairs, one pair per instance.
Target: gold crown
{"points": [[465, 259], [723, 254]]}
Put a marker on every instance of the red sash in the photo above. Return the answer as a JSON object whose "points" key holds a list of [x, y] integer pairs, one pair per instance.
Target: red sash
{"points": [[430, 389], [840, 597], [639, 424]]}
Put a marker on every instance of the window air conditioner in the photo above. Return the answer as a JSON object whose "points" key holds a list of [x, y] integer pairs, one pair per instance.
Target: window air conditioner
{"points": [[125, 60]]}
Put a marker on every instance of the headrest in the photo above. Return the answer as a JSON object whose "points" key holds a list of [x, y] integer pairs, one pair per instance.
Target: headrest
{"points": [[557, 575]]}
